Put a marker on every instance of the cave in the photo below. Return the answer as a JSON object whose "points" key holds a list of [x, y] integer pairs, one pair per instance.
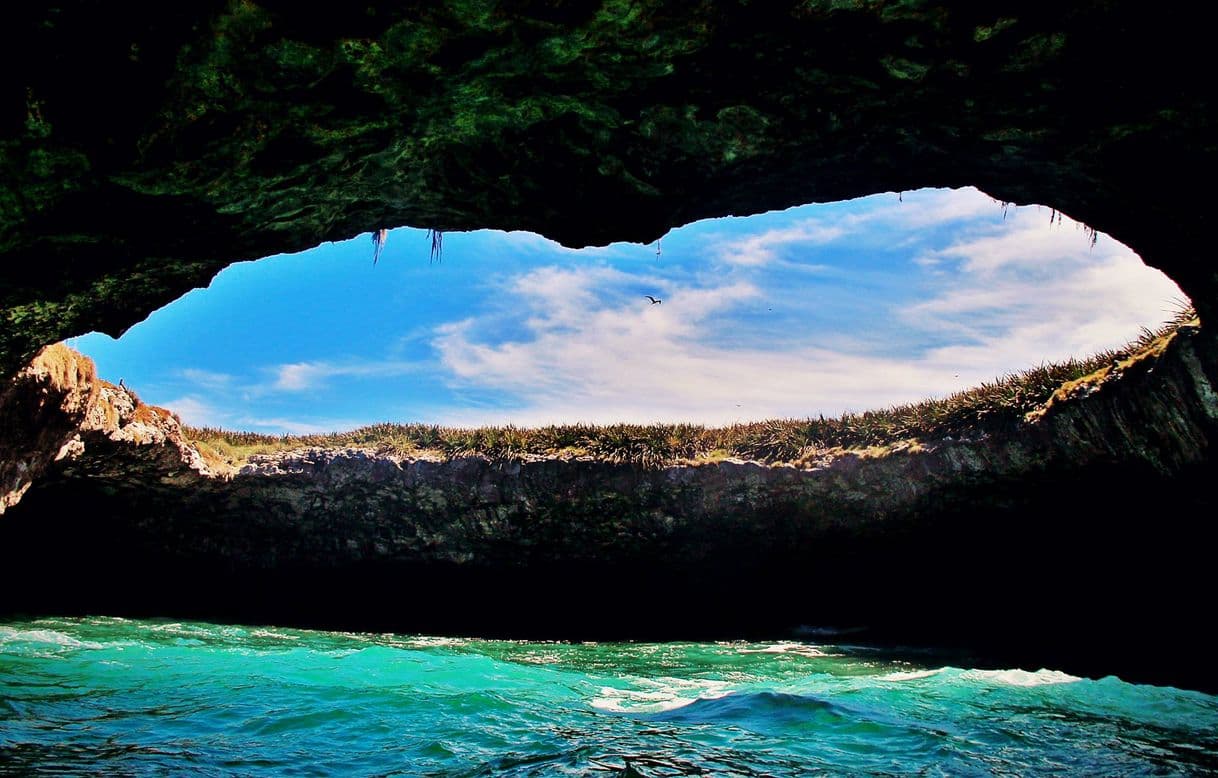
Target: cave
{"points": [[153, 146], [156, 146]]}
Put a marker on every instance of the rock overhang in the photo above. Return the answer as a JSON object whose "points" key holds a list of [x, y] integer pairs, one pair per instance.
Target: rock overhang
{"points": [[145, 148]]}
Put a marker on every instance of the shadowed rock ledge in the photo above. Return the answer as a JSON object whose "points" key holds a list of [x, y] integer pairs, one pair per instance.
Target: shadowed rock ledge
{"points": [[1046, 545], [143, 147]]}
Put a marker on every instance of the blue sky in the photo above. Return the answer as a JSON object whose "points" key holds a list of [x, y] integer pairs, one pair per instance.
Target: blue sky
{"points": [[817, 309]]}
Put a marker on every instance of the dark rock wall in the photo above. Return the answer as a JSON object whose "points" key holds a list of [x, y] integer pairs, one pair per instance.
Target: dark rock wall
{"points": [[144, 147], [41, 411], [1074, 540]]}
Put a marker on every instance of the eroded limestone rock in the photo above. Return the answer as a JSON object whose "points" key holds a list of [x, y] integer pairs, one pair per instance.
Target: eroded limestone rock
{"points": [[57, 409]]}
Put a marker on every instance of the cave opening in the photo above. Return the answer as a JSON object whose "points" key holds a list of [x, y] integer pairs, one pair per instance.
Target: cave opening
{"points": [[1020, 504], [819, 310], [147, 148]]}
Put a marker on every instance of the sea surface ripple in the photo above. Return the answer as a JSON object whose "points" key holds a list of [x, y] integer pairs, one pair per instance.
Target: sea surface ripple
{"points": [[118, 697]]}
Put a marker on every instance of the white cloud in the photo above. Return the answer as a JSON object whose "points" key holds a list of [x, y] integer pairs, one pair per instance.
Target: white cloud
{"points": [[1005, 295], [1029, 293], [918, 211], [305, 376], [197, 412], [1025, 241], [762, 249], [206, 379], [626, 360], [534, 244], [299, 376], [930, 207], [591, 347]]}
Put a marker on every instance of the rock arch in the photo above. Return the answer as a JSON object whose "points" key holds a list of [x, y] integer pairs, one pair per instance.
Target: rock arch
{"points": [[145, 148]]}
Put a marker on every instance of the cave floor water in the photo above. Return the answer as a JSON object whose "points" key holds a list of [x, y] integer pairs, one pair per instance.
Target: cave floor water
{"points": [[117, 696]]}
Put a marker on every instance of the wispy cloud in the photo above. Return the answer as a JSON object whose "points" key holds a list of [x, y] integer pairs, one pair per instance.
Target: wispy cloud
{"points": [[300, 376], [1004, 295], [587, 344], [933, 207], [611, 360], [305, 376], [763, 249], [919, 211], [206, 379], [222, 400], [1030, 291], [530, 243], [1024, 241], [198, 411]]}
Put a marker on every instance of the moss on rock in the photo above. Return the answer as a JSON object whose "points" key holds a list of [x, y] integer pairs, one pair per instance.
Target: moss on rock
{"points": [[165, 143]]}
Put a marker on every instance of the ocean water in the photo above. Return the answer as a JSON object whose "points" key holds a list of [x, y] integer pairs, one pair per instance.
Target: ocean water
{"points": [[116, 697]]}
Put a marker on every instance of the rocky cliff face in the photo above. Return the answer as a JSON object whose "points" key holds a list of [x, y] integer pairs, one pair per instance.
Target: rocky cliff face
{"points": [[41, 410], [56, 410], [144, 147], [1047, 542]]}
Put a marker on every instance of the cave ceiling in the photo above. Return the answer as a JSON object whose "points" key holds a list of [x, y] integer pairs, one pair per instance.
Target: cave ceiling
{"points": [[146, 146]]}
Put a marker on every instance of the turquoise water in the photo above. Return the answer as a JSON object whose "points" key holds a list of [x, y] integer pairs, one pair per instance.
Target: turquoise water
{"points": [[114, 696]]}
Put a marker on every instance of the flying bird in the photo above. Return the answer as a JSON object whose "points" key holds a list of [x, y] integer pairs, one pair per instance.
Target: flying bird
{"points": [[654, 301]]}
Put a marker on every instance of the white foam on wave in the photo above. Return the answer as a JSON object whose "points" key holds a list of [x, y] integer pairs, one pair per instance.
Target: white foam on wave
{"points": [[428, 641], [43, 637], [182, 629], [540, 658], [797, 649], [275, 634], [654, 695], [1041, 677], [910, 675]]}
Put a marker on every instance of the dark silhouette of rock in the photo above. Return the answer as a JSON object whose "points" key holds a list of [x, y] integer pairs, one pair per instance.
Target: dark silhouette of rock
{"points": [[146, 147], [1048, 544]]}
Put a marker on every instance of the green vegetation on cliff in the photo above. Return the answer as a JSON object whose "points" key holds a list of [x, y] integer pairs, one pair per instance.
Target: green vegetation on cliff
{"points": [[990, 407]]}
